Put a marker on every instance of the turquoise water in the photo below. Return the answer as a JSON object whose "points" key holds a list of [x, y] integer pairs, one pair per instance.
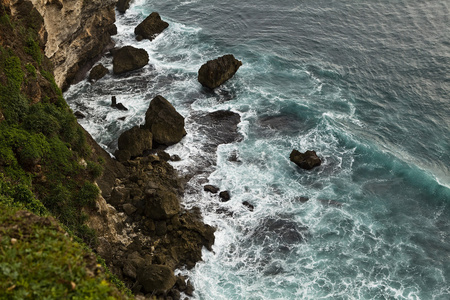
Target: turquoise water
{"points": [[364, 84]]}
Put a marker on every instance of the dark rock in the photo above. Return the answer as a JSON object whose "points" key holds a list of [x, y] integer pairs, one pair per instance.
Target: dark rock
{"points": [[224, 196], [120, 106], [221, 127], [211, 188], [128, 59], [217, 71], [162, 206], [189, 289], [181, 282], [307, 160], [175, 157], [166, 124], [129, 208], [79, 115], [121, 118], [161, 228], [98, 72], [112, 29], [176, 295], [122, 155], [123, 5], [139, 38], [151, 26], [113, 101], [156, 278], [164, 155], [135, 140], [129, 270], [248, 205]]}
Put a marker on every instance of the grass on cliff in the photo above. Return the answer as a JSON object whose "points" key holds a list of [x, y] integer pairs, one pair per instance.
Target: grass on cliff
{"points": [[46, 167], [40, 261]]}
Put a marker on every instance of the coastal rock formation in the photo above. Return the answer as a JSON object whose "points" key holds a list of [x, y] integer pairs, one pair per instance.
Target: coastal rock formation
{"points": [[165, 123], [78, 32], [156, 278], [150, 27], [217, 71], [97, 72], [128, 59], [135, 141], [307, 160], [123, 5]]}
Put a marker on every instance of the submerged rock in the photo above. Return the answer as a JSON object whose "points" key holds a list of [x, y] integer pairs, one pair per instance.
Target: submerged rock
{"points": [[211, 188], [128, 59], [307, 160], [150, 27], [166, 124], [97, 72], [79, 115], [215, 72]]}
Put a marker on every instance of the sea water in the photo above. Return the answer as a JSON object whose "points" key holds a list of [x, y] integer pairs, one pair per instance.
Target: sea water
{"points": [[363, 83]]}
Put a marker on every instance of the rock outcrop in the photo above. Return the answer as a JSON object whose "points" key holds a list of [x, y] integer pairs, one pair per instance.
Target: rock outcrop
{"points": [[307, 160], [150, 27], [78, 32], [128, 59], [165, 123], [135, 141], [97, 72], [217, 71], [123, 5]]}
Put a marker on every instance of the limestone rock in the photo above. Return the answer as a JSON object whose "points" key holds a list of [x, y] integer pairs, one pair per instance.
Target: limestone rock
{"points": [[165, 123], [128, 59], [217, 71], [307, 160], [135, 140], [98, 72], [78, 33], [123, 5], [156, 278], [151, 26]]}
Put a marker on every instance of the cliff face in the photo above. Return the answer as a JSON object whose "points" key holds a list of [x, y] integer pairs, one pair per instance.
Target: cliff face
{"points": [[78, 31]]}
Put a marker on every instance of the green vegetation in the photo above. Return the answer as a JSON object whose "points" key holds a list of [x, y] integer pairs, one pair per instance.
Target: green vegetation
{"points": [[47, 168], [39, 261]]}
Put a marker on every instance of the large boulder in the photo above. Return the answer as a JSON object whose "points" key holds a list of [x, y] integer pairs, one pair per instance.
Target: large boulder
{"points": [[217, 71], [151, 27], [123, 5], [98, 72], [166, 124], [128, 59], [156, 278], [135, 140], [307, 160], [162, 205]]}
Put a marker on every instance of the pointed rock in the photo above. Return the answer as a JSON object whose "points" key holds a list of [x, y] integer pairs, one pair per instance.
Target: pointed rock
{"points": [[150, 27]]}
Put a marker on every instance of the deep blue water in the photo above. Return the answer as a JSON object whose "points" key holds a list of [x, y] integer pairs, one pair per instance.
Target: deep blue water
{"points": [[365, 84]]}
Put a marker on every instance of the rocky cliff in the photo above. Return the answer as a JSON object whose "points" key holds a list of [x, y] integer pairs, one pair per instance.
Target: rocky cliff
{"points": [[128, 212], [77, 32]]}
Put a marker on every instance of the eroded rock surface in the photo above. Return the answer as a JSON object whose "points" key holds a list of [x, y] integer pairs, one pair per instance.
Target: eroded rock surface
{"points": [[128, 59], [98, 72], [151, 26], [166, 124], [78, 33], [307, 160], [217, 71], [135, 140]]}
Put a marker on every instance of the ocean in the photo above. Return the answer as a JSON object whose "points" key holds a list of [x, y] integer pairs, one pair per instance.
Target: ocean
{"points": [[366, 84]]}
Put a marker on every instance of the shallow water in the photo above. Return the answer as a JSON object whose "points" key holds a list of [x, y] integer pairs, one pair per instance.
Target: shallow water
{"points": [[364, 84]]}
